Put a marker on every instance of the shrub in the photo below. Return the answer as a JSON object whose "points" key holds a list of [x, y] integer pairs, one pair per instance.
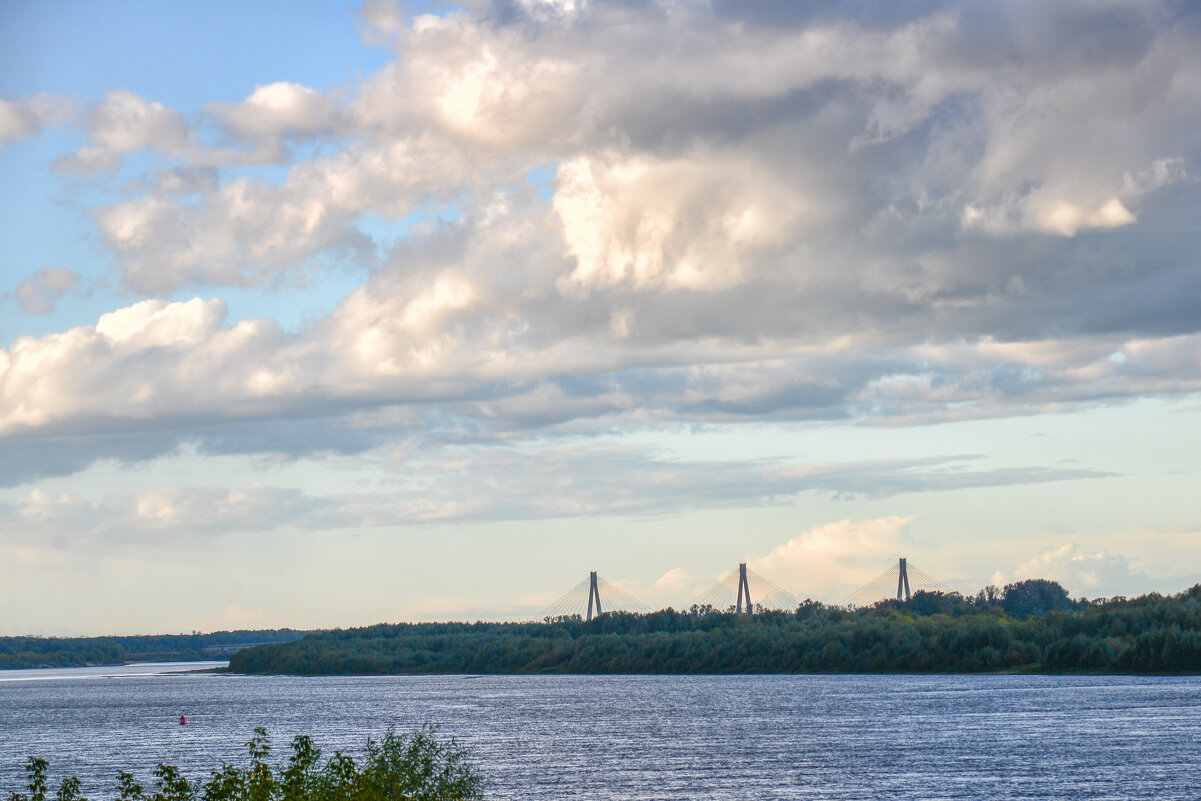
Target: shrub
{"points": [[400, 767]]}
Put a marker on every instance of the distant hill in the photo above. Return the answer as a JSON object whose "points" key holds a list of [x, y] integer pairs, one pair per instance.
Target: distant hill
{"points": [[1029, 626], [35, 652]]}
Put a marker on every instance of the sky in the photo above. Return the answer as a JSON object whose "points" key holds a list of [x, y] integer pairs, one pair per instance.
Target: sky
{"points": [[321, 314]]}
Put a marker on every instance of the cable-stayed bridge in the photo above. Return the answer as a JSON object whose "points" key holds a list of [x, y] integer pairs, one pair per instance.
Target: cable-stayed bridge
{"points": [[898, 582], [745, 591], [741, 591], [591, 598]]}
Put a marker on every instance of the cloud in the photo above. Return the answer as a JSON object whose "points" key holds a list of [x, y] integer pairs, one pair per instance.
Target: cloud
{"points": [[16, 122], [1084, 571], [88, 159], [684, 224], [247, 231], [280, 108], [126, 342], [917, 214], [160, 512], [699, 147], [41, 293], [832, 560], [426, 482], [679, 581], [274, 114], [27, 116], [424, 352], [383, 20], [123, 123]]}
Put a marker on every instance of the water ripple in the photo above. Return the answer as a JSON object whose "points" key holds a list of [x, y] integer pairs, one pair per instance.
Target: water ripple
{"points": [[645, 738]]}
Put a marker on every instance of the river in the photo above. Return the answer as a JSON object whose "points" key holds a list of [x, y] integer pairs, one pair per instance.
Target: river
{"points": [[642, 737]]}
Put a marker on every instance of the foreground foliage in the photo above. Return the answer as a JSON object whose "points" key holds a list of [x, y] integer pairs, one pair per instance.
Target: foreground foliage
{"points": [[413, 767], [1029, 626]]}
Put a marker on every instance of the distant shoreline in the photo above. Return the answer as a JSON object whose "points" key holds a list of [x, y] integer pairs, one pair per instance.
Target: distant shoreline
{"points": [[1030, 628], [30, 652]]}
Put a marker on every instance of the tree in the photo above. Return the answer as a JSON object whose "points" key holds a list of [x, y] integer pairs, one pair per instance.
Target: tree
{"points": [[1035, 597]]}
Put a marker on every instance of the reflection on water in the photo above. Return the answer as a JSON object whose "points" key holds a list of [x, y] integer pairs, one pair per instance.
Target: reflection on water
{"points": [[644, 737]]}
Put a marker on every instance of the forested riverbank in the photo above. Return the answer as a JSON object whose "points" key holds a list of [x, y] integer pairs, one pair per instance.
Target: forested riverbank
{"points": [[1028, 626], [39, 652]]}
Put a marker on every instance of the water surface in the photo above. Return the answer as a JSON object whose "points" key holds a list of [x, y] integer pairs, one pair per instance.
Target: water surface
{"points": [[646, 737]]}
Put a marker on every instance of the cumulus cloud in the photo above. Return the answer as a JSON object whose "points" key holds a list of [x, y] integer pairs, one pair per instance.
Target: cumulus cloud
{"points": [[684, 224], [153, 330], [757, 212], [41, 293], [125, 122], [408, 353], [274, 114], [1084, 571], [27, 116], [832, 560], [699, 147], [246, 231], [16, 122], [241, 235], [679, 581], [382, 20], [278, 108], [88, 159]]}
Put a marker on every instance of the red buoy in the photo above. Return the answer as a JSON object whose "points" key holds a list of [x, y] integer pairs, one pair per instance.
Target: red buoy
{"points": [[182, 720]]}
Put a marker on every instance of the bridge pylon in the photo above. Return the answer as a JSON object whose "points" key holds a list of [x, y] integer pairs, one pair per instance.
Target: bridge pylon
{"points": [[593, 592], [744, 589], [584, 600], [732, 593], [904, 576]]}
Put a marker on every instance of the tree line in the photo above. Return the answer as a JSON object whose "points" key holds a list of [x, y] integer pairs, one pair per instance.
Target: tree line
{"points": [[1028, 626], [36, 652]]}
